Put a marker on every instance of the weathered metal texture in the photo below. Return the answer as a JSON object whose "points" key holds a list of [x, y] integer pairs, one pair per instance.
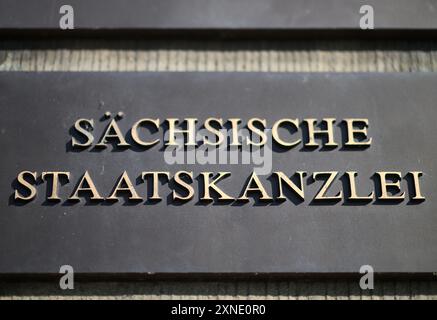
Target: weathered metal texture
{"points": [[307, 17], [38, 237]]}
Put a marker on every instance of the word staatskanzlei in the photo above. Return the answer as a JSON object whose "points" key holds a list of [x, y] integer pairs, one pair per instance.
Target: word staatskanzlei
{"points": [[386, 187]]}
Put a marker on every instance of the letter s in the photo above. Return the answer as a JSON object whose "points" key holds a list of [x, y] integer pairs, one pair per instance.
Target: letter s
{"points": [[23, 183], [80, 127]]}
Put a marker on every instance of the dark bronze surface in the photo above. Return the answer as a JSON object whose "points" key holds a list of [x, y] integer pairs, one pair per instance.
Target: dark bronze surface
{"points": [[38, 110]]}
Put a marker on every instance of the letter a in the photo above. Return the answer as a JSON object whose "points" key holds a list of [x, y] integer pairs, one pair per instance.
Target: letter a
{"points": [[367, 20], [67, 20]]}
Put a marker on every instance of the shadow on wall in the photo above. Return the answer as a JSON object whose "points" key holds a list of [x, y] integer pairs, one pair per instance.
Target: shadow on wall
{"points": [[220, 45]]}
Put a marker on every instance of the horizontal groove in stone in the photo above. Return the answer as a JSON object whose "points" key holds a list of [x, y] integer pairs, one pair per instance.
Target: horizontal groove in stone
{"points": [[310, 56], [285, 290]]}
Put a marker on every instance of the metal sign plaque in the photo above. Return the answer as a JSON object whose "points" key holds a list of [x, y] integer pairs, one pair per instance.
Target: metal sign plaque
{"points": [[127, 173], [169, 16]]}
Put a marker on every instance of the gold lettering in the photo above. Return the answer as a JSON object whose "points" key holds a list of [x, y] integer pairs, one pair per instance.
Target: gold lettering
{"points": [[353, 188], [351, 131], [136, 137], [275, 132], [299, 191], [312, 132], [190, 131], [112, 132], [212, 184], [234, 128], [86, 184], [385, 185], [259, 188], [321, 195], [251, 126], [417, 194], [55, 182], [184, 185], [29, 186], [218, 133], [84, 132], [125, 180], [155, 182]]}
